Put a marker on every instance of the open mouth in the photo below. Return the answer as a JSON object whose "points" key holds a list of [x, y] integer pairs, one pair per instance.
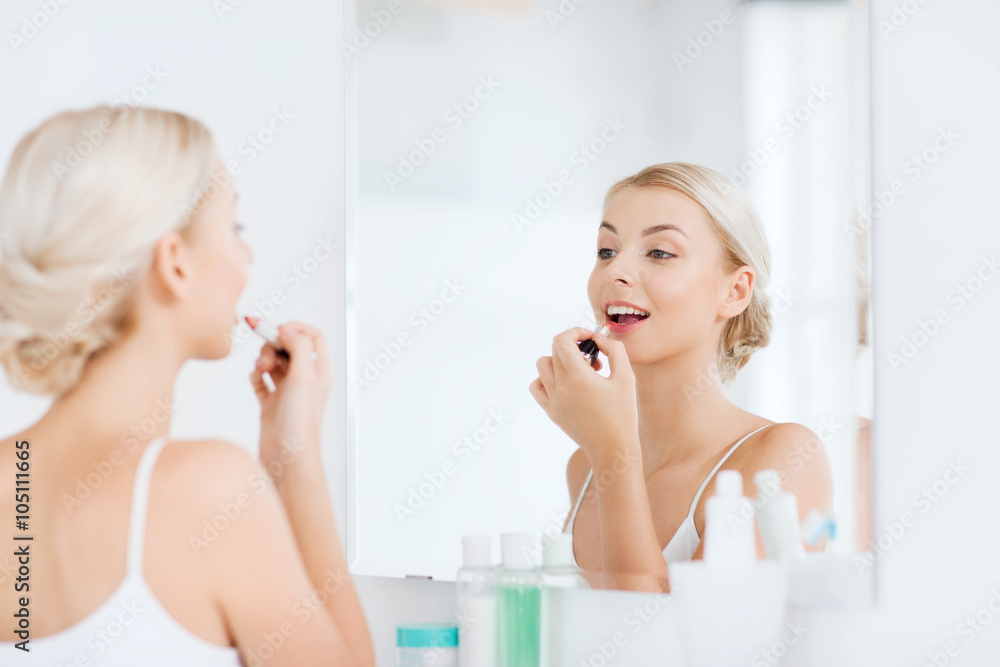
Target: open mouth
{"points": [[626, 315]]}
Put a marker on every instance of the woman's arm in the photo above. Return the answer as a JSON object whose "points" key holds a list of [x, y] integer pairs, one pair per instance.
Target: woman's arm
{"points": [[633, 559], [600, 414], [273, 607], [304, 494], [291, 416]]}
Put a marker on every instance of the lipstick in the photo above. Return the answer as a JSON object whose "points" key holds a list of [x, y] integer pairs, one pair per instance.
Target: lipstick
{"points": [[268, 333], [589, 347]]}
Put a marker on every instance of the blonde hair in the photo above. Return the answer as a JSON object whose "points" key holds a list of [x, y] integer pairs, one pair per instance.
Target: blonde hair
{"points": [[743, 244], [86, 196]]}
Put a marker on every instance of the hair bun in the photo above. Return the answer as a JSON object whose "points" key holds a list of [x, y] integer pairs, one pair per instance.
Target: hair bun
{"points": [[73, 238]]}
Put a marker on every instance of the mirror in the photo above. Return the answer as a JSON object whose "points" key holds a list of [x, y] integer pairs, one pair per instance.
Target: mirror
{"points": [[485, 136]]}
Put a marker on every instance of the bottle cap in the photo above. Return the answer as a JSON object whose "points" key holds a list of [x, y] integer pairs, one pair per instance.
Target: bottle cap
{"points": [[728, 483], [427, 635], [559, 552], [768, 482], [477, 551], [516, 550]]}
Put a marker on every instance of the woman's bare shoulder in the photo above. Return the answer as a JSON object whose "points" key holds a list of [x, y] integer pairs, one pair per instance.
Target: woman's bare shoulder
{"points": [[797, 453], [790, 445], [207, 471]]}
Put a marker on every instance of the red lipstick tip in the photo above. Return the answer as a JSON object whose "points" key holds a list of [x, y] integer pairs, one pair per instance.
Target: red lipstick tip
{"points": [[251, 320]]}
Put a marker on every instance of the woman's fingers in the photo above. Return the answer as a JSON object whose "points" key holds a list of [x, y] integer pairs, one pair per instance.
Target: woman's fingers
{"points": [[617, 356], [566, 351], [538, 391], [319, 343], [299, 341], [546, 373], [260, 387], [307, 357], [271, 363]]}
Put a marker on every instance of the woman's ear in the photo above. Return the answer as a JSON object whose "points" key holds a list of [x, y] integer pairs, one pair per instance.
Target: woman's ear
{"points": [[172, 266], [740, 288]]}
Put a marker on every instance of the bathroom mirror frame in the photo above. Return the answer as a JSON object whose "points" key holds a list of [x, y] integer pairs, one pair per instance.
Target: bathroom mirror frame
{"points": [[395, 565]]}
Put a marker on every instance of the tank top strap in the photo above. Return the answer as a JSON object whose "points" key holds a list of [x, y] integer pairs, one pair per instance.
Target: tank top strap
{"points": [[579, 501], [718, 465], [140, 505]]}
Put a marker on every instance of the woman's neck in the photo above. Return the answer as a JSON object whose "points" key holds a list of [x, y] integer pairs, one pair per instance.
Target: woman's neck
{"points": [[125, 395], [684, 414]]}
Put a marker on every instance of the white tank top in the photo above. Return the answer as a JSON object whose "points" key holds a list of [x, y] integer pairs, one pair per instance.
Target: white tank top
{"points": [[130, 627], [685, 541]]}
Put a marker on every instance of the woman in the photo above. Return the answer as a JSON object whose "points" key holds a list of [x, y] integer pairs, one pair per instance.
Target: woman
{"points": [[678, 283], [121, 260]]}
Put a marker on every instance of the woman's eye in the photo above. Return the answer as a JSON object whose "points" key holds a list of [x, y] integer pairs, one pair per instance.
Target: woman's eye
{"points": [[605, 253], [660, 254]]}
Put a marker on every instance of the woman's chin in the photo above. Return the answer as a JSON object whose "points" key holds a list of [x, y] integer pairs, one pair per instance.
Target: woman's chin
{"points": [[220, 348]]}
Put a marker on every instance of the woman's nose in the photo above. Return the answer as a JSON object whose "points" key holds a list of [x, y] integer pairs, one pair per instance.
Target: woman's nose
{"points": [[620, 272]]}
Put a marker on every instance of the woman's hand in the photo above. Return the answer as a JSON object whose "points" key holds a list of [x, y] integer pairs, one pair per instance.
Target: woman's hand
{"points": [[292, 414], [600, 414]]}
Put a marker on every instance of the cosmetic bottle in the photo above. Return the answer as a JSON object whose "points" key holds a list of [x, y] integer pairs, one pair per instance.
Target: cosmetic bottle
{"points": [[730, 604], [729, 523], [559, 568], [518, 603], [777, 517], [427, 645], [559, 572], [475, 585]]}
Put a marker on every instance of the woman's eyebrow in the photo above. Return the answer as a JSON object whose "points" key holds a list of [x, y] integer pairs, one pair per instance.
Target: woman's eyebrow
{"points": [[649, 230]]}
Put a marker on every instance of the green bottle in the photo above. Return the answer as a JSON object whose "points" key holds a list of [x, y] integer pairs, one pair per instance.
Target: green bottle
{"points": [[518, 603]]}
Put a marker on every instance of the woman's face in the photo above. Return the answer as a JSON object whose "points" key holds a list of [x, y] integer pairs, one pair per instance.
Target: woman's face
{"points": [[658, 253], [221, 265]]}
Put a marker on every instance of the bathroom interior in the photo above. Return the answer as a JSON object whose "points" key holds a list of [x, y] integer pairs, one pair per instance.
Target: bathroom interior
{"points": [[431, 203]]}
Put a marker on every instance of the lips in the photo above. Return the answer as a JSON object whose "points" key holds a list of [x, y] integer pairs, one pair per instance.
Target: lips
{"points": [[622, 316], [633, 323]]}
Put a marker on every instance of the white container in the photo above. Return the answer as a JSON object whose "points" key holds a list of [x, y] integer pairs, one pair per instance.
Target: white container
{"points": [[729, 615], [777, 517], [558, 572], [731, 606], [427, 645], [475, 586], [730, 538]]}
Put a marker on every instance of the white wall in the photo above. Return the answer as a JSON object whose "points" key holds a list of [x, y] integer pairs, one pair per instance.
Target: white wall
{"points": [[230, 68], [938, 70]]}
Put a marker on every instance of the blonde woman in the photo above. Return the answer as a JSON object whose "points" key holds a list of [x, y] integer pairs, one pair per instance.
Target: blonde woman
{"points": [[121, 260], [679, 279]]}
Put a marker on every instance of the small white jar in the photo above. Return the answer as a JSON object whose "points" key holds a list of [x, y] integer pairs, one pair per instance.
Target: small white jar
{"points": [[427, 645]]}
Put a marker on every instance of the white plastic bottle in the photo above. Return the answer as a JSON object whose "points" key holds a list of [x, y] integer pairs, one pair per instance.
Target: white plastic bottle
{"points": [[730, 538], [475, 585], [777, 517], [559, 568], [558, 573]]}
